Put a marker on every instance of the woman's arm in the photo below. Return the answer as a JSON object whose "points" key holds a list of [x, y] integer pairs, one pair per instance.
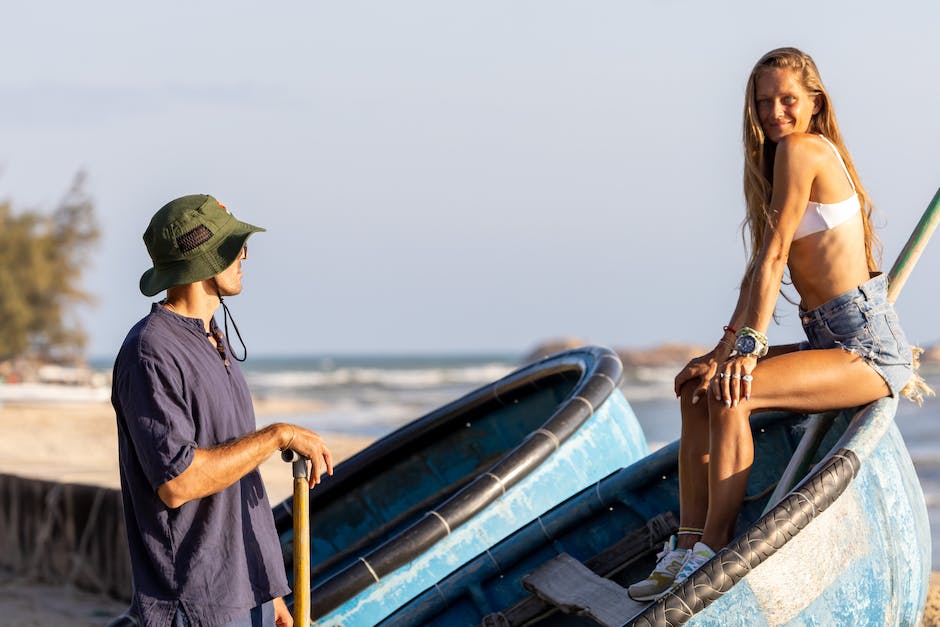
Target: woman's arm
{"points": [[795, 168], [702, 369], [796, 164]]}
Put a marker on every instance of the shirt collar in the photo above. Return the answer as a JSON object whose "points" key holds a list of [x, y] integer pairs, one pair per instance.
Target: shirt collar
{"points": [[194, 324]]}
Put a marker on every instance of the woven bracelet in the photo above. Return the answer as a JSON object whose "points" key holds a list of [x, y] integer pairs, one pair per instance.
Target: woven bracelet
{"points": [[293, 434]]}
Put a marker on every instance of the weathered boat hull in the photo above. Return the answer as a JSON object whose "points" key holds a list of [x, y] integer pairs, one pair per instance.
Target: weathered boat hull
{"points": [[416, 505], [850, 544]]}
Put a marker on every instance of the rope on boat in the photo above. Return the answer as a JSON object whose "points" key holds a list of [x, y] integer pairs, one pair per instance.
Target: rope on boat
{"points": [[551, 436], [443, 522], [371, 570], [498, 480], [586, 401]]}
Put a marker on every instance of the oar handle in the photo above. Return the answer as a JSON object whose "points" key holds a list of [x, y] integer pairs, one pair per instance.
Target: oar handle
{"points": [[299, 463], [915, 246], [301, 512]]}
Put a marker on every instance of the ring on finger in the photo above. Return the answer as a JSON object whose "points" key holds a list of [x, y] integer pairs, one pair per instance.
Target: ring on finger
{"points": [[735, 376], [747, 378], [724, 375]]}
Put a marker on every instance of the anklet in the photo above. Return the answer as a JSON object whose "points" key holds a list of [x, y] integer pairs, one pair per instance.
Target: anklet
{"points": [[689, 531]]}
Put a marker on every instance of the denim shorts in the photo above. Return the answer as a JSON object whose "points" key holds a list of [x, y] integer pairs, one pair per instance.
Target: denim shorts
{"points": [[863, 321]]}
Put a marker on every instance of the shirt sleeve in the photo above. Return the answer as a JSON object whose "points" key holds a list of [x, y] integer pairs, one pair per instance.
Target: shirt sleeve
{"points": [[158, 419]]}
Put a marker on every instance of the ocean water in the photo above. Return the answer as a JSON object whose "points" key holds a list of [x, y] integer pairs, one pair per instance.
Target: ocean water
{"points": [[373, 395]]}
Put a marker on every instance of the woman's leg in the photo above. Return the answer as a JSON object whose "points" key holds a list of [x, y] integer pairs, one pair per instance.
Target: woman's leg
{"points": [[805, 381], [732, 454], [693, 457], [693, 465]]}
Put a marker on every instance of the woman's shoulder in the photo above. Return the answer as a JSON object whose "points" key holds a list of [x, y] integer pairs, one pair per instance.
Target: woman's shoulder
{"points": [[803, 149], [804, 143]]}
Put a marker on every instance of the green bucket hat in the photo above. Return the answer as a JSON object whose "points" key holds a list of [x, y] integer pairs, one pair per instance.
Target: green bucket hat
{"points": [[191, 239]]}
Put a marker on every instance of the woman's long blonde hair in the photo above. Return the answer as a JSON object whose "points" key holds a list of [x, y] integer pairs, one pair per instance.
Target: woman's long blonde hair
{"points": [[759, 170], [759, 153]]}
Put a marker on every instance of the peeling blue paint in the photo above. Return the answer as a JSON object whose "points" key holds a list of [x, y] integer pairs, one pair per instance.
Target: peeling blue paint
{"points": [[609, 440], [886, 584]]}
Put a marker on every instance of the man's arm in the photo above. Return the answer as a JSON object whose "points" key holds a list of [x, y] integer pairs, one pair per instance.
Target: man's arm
{"points": [[214, 469]]}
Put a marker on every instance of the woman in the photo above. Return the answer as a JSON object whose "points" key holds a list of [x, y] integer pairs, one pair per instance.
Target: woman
{"points": [[808, 213]]}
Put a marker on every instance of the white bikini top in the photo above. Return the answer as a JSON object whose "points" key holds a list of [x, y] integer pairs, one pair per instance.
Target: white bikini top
{"points": [[822, 217]]}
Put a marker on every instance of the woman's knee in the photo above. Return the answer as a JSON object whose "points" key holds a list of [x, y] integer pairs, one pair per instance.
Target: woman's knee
{"points": [[692, 411], [720, 413]]}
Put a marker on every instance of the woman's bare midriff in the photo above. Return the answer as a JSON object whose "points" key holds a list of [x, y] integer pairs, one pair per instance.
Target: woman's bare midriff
{"points": [[826, 264]]}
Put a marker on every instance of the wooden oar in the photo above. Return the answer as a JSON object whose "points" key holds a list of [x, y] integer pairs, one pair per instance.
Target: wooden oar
{"points": [[818, 424], [914, 247], [301, 515]]}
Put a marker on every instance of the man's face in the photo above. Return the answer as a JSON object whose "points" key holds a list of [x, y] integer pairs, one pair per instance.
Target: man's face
{"points": [[229, 281]]}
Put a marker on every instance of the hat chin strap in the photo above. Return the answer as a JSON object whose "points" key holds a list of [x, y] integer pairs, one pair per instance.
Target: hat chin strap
{"points": [[226, 314]]}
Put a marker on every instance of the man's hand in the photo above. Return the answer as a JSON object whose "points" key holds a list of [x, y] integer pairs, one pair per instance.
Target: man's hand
{"points": [[214, 469], [308, 444], [282, 617]]}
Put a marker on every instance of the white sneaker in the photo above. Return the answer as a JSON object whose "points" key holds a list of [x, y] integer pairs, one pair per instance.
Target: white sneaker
{"points": [[701, 553], [668, 564]]}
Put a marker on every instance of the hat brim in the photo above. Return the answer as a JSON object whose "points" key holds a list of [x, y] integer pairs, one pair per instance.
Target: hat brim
{"points": [[212, 262]]}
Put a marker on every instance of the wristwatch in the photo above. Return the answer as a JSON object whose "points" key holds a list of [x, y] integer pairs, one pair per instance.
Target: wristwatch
{"points": [[750, 342]]}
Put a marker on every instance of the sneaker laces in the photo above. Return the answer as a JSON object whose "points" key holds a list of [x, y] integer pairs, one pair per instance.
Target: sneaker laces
{"points": [[667, 549], [700, 554], [670, 566]]}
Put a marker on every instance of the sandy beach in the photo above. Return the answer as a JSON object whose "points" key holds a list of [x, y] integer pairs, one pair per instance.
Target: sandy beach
{"points": [[77, 443]]}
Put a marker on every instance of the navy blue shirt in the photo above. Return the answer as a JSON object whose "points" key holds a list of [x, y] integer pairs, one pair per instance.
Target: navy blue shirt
{"points": [[214, 557]]}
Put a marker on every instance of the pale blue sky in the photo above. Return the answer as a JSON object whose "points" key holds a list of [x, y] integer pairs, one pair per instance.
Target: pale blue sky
{"points": [[441, 176]]}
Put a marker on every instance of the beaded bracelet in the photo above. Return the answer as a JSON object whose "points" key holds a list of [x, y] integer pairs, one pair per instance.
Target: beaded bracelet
{"points": [[757, 335]]}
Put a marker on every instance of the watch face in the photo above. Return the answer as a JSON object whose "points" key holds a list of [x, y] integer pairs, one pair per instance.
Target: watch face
{"points": [[745, 344]]}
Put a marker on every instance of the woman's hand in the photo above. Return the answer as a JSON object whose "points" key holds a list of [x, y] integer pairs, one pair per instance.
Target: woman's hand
{"points": [[701, 370], [733, 380]]}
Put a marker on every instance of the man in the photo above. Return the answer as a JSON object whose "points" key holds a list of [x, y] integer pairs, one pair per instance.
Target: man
{"points": [[202, 540]]}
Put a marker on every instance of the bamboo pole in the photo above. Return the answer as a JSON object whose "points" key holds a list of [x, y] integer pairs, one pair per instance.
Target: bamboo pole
{"points": [[301, 516], [912, 250]]}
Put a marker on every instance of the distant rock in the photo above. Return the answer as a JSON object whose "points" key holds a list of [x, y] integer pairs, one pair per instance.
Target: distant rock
{"points": [[550, 347], [668, 354]]}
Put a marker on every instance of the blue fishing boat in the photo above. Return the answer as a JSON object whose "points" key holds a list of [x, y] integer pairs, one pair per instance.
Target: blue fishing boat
{"points": [[849, 544], [416, 505]]}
